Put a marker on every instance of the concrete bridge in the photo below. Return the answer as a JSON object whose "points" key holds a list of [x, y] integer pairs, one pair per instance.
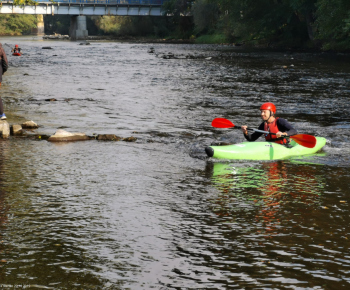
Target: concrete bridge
{"points": [[79, 9]]}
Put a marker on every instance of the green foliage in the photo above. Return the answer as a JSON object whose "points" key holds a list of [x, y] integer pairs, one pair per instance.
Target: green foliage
{"points": [[212, 38], [57, 24], [179, 18], [288, 23], [205, 15], [301, 6], [333, 24], [285, 23], [16, 24], [24, 2], [127, 26], [60, 24], [143, 26], [177, 8], [263, 21]]}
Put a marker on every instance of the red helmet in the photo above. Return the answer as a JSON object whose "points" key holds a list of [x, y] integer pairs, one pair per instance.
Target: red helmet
{"points": [[16, 45], [268, 106]]}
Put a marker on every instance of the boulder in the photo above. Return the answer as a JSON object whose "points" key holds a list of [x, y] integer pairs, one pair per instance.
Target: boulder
{"points": [[4, 129], [16, 129], [30, 125], [108, 137], [64, 136], [129, 139]]}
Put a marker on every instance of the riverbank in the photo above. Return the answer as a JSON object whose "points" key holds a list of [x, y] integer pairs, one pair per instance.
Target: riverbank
{"points": [[122, 38], [204, 40]]}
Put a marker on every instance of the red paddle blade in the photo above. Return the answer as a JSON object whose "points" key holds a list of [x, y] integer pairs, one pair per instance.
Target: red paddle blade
{"points": [[305, 140], [222, 123]]}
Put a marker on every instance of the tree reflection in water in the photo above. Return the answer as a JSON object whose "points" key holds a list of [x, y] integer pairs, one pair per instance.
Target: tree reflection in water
{"points": [[275, 191]]}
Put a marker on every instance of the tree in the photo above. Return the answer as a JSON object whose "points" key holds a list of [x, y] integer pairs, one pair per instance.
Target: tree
{"points": [[24, 2], [57, 24], [180, 20], [333, 24], [17, 24], [205, 15], [305, 9], [287, 22], [177, 8]]}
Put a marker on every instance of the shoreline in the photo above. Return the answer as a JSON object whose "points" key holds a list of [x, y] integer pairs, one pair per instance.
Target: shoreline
{"points": [[243, 46], [152, 40], [121, 38]]}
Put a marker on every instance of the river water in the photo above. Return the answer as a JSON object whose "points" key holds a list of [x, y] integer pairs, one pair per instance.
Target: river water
{"points": [[156, 213]]}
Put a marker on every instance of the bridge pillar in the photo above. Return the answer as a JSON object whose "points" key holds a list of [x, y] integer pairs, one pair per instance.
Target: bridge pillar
{"points": [[39, 30], [77, 29]]}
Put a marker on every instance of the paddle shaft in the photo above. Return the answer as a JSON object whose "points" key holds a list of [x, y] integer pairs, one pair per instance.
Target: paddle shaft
{"points": [[261, 131], [256, 130]]}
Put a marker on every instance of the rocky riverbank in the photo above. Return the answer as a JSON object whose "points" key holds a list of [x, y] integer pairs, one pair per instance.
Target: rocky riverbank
{"points": [[56, 36], [121, 38]]}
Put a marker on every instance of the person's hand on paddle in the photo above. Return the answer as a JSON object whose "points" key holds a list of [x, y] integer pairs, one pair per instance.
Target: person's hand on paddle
{"points": [[280, 134], [244, 130]]}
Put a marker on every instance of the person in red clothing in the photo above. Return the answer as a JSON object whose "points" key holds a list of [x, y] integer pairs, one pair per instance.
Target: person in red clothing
{"points": [[278, 126], [16, 49]]}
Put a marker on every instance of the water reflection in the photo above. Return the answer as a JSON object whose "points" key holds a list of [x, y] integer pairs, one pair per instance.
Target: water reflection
{"points": [[271, 225], [4, 207], [270, 188], [41, 237]]}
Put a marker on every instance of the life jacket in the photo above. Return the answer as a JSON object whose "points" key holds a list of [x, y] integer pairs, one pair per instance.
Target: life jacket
{"points": [[272, 128]]}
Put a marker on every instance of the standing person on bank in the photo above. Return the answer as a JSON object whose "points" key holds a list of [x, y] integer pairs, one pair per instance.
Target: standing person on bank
{"points": [[273, 124], [2, 57]]}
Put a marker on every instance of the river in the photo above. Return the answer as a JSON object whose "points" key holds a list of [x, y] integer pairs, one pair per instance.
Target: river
{"points": [[157, 213]]}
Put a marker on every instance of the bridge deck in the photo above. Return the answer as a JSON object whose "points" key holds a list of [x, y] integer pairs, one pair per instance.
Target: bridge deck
{"points": [[112, 2], [88, 7]]}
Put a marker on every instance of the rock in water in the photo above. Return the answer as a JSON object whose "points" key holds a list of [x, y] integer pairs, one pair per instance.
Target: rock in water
{"points": [[16, 129], [4, 129], [64, 136], [108, 137], [30, 125], [129, 139]]}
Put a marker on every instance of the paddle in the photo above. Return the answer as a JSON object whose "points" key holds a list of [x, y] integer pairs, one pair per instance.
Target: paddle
{"points": [[305, 140]]}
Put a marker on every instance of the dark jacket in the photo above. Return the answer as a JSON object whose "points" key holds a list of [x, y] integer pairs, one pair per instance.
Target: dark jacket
{"points": [[2, 56], [282, 125]]}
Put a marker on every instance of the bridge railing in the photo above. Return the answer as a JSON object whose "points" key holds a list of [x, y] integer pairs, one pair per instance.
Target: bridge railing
{"points": [[126, 2]]}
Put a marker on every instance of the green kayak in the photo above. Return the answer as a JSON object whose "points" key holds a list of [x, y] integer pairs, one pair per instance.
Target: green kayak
{"points": [[262, 150]]}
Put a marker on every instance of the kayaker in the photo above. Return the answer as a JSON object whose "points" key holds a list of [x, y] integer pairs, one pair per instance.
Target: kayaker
{"points": [[16, 49], [2, 57], [273, 124]]}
